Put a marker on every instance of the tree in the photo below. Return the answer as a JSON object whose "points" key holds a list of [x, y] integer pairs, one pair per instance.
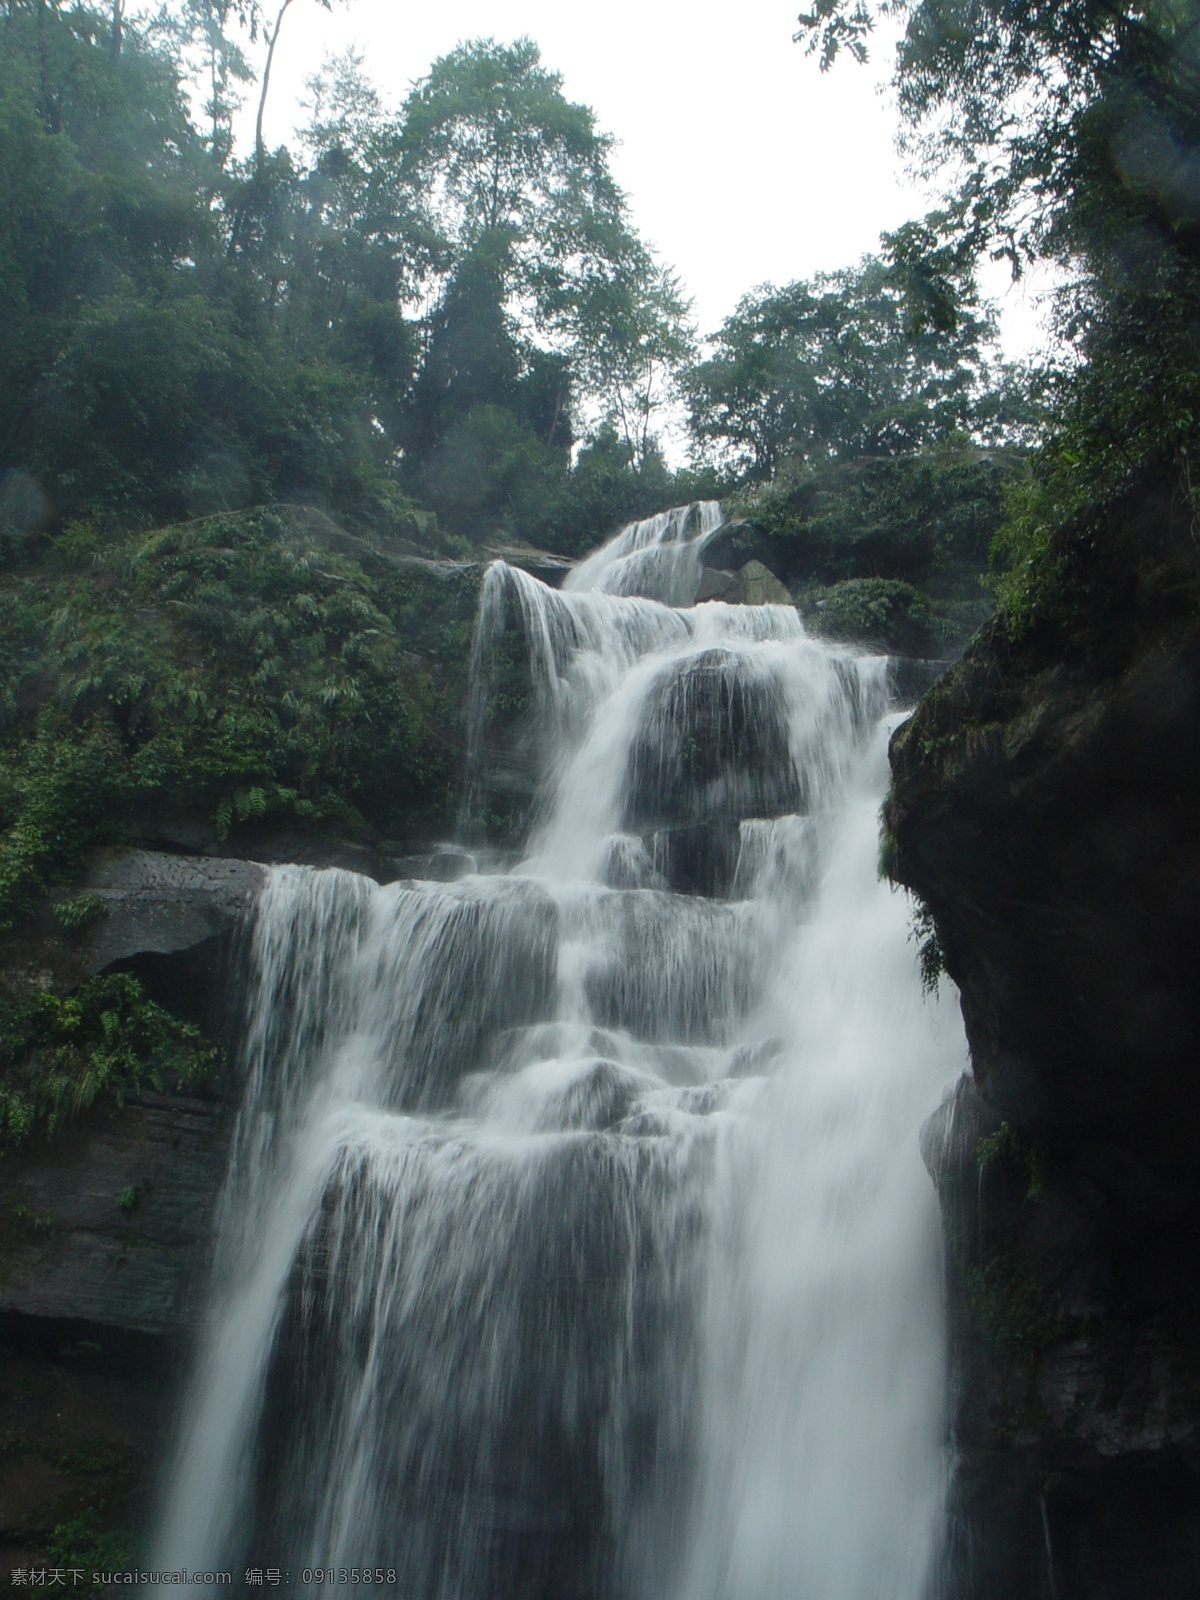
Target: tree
{"points": [[1072, 133], [832, 369], [272, 35], [1067, 120], [527, 243], [491, 146], [633, 339], [182, 331], [206, 47], [143, 373]]}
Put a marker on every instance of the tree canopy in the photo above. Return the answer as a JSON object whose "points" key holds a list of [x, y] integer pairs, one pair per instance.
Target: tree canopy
{"points": [[408, 300], [834, 369], [1068, 132]]}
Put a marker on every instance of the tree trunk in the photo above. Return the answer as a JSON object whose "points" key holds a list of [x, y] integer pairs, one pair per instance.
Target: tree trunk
{"points": [[272, 40]]}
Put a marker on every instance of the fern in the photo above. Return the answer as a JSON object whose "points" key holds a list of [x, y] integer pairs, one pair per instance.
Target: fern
{"points": [[60, 1054]]}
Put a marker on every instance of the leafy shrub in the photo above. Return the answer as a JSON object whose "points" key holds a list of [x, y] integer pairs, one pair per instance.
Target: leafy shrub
{"points": [[80, 912], [59, 1054], [237, 669], [927, 519], [930, 958]]}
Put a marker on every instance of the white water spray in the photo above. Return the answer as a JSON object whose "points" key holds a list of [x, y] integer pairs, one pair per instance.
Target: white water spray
{"points": [[576, 1243]]}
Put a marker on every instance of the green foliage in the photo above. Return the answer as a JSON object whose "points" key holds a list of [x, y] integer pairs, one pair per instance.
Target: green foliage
{"points": [[1026, 1154], [930, 960], [233, 670], [887, 864], [927, 519], [36, 1221], [58, 1054], [101, 1475], [1070, 131], [550, 307], [492, 146], [127, 1199], [834, 370], [186, 334], [148, 369], [85, 1545], [1131, 410], [80, 912], [885, 612]]}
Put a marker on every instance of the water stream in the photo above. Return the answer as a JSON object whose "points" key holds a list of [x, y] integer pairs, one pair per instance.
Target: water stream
{"points": [[576, 1243]]}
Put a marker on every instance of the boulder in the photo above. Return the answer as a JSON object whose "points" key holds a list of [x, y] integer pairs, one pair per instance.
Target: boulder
{"points": [[544, 564], [713, 746], [752, 585], [760, 586], [718, 585]]}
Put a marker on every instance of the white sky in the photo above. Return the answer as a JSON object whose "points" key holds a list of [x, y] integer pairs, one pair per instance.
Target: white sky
{"points": [[743, 163]]}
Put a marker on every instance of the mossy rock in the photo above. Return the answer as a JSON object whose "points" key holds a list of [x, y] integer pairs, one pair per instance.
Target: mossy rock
{"points": [[760, 586], [927, 519]]}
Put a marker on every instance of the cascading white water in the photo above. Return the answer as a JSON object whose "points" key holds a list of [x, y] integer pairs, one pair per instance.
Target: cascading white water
{"points": [[576, 1243], [658, 558]]}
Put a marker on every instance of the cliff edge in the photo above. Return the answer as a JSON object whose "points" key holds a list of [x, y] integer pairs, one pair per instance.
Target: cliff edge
{"points": [[1044, 807]]}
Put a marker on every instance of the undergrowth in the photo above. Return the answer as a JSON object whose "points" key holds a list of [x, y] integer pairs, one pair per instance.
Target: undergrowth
{"points": [[237, 669], [59, 1054]]}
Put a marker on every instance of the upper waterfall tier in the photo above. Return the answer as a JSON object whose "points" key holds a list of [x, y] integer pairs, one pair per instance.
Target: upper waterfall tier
{"points": [[658, 558], [593, 714]]}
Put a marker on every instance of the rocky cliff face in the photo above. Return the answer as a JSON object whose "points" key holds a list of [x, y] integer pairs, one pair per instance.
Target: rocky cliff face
{"points": [[1045, 809], [105, 1229]]}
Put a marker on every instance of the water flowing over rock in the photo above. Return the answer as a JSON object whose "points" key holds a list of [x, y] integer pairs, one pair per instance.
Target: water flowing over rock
{"points": [[576, 1243]]}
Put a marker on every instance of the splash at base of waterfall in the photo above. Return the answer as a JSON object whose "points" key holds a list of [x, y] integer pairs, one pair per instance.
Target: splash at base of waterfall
{"points": [[576, 1243]]}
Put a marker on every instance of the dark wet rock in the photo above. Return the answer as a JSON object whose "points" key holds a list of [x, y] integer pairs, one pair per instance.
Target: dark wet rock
{"points": [[910, 677], [737, 542], [1044, 807], [544, 564], [109, 1222], [717, 585], [159, 904], [760, 587], [106, 1227], [753, 584], [598, 1098], [444, 864], [81, 1428], [697, 858], [713, 746], [280, 846]]}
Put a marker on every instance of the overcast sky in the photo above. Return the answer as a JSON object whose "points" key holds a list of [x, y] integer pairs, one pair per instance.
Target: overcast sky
{"points": [[743, 163]]}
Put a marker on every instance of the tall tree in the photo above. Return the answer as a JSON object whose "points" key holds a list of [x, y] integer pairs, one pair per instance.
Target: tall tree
{"points": [[634, 337], [503, 168], [209, 50], [1066, 121], [833, 368]]}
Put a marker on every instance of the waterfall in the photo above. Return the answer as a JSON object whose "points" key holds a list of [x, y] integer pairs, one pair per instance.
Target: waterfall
{"points": [[576, 1243]]}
